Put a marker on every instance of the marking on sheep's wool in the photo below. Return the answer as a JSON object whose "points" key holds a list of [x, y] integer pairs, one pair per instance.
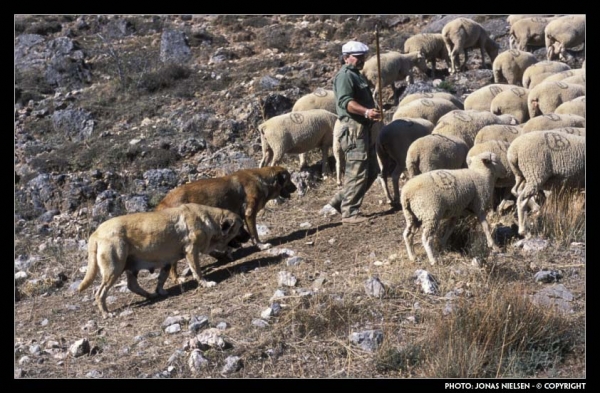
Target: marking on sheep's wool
{"points": [[572, 131], [519, 92], [562, 85], [320, 92], [495, 90], [552, 116], [556, 141], [297, 118], [426, 102], [512, 130], [567, 73], [537, 19], [501, 146], [462, 116], [443, 179], [515, 52]]}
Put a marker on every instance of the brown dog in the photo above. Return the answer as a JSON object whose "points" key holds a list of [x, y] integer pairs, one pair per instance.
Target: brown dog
{"points": [[152, 240], [245, 192]]}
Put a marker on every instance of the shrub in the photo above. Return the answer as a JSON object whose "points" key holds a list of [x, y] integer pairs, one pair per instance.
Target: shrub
{"points": [[165, 77]]}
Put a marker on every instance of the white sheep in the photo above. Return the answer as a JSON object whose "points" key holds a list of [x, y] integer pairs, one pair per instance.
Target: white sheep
{"points": [[429, 198], [565, 32], [512, 102], [395, 66], [542, 160], [462, 34], [552, 121], [338, 153], [435, 151], [561, 76], [505, 183], [528, 32], [497, 132], [392, 144], [319, 99], [574, 107], [296, 133], [576, 80], [426, 108], [481, 98], [508, 67], [512, 19], [432, 46], [547, 96], [465, 124], [436, 94], [542, 67]]}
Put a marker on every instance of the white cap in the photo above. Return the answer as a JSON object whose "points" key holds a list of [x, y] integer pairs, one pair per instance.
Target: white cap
{"points": [[354, 48]]}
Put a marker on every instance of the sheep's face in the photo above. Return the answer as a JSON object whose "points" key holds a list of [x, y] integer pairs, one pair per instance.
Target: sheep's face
{"points": [[488, 161]]}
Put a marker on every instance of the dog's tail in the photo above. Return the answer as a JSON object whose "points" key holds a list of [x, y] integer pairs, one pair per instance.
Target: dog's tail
{"points": [[92, 269]]}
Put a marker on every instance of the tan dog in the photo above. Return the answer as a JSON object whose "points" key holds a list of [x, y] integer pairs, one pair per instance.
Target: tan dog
{"points": [[245, 192], [152, 240]]}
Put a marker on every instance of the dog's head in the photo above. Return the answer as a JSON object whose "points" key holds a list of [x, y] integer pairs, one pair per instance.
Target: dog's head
{"points": [[242, 237], [231, 226], [282, 182]]}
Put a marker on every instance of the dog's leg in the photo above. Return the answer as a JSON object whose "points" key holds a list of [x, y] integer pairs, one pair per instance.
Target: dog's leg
{"points": [[250, 218], [162, 277], [134, 286], [108, 281], [193, 259]]}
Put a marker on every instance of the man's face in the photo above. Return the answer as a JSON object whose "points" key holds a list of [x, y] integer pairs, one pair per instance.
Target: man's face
{"points": [[356, 60]]}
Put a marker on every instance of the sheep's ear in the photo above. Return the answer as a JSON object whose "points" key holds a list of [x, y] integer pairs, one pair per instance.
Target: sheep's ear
{"points": [[468, 161]]}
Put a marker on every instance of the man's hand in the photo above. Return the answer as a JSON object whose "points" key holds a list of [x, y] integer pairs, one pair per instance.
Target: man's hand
{"points": [[374, 114]]}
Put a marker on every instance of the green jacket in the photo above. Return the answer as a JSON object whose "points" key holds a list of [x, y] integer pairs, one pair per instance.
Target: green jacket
{"points": [[349, 84]]}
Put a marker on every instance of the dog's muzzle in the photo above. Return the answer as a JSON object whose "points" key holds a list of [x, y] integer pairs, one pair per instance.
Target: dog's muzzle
{"points": [[287, 190]]}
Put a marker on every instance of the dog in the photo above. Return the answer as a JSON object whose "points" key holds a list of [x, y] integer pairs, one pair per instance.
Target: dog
{"points": [[152, 240], [245, 192]]}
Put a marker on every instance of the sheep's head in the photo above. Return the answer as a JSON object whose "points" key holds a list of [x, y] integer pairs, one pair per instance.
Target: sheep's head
{"points": [[488, 161]]}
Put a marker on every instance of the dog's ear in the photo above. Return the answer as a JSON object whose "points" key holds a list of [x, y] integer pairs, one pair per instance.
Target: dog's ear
{"points": [[227, 225], [282, 178]]}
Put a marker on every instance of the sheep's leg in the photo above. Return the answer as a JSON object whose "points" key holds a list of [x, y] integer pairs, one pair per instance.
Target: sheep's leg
{"points": [[267, 156], [522, 200], [483, 56], [409, 233], [450, 228], [486, 229], [463, 65], [302, 158], [427, 240], [433, 68], [396, 184], [325, 156]]}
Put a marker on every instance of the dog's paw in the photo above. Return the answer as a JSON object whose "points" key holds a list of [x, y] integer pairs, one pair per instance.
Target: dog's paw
{"points": [[162, 292], [264, 246], [207, 284]]}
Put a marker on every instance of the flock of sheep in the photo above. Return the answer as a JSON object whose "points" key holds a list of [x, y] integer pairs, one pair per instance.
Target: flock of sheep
{"points": [[525, 133]]}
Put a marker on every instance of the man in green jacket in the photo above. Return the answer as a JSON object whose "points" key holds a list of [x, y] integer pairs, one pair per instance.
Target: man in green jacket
{"points": [[356, 114]]}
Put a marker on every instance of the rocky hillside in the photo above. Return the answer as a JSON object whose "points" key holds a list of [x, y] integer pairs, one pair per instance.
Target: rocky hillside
{"points": [[111, 112]]}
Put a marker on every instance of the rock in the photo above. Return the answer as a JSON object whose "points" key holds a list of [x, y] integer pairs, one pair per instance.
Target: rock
{"points": [[232, 364], [374, 287], [196, 362], [369, 340], [286, 278], [80, 348]]}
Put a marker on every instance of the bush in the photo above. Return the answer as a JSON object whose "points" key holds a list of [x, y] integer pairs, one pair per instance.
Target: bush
{"points": [[165, 77]]}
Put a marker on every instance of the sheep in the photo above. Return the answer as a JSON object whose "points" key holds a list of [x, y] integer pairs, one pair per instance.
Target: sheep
{"points": [[552, 121], [392, 143], [395, 66], [576, 80], [462, 34], [432, 46], [574, 107], [319, 99], [296, 133], [338, 153], [435, 151], [512, 19], [528, 32], [481, 98], [542, 67], [430, 197], [426, 108], [437, 94], [565, 32], [560, 76], [539, 78], [508, 67], [547, 96], [512, 102], [503, 184], [544, 159], [465, 124], [498, 132]]}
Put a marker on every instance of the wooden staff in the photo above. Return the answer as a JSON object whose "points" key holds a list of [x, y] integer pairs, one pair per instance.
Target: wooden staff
{"points": [[378, 71]]}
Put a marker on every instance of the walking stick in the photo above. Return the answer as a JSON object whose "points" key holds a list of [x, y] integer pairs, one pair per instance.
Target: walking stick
{"points": [[379, 98]]}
